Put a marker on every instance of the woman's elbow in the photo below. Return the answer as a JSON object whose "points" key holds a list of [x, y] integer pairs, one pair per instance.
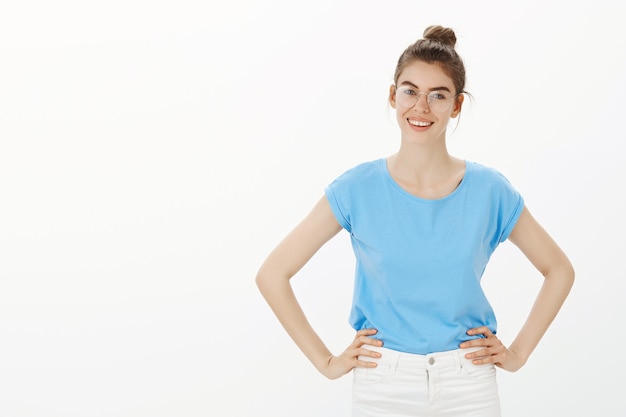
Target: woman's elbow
{"points": [[565, 273], [262, 279], [570, 274], [268, 278]]}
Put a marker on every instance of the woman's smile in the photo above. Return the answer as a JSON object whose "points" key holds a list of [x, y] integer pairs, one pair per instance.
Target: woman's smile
{"points": [[419, 123]]}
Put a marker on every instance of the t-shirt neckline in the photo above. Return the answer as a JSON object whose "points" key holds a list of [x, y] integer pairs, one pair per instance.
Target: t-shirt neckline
{"points": [[456, 191]]}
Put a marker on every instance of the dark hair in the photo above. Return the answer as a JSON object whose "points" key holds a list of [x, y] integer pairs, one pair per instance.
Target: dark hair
{"points": [[437, 47]]}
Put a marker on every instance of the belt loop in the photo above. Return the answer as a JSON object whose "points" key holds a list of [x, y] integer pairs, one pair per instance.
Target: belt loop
{"points": [[395, 364], [457, 360]]}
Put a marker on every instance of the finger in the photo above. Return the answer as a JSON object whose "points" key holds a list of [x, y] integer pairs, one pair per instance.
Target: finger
{"points": [[482, 353], [474, 343], [363, 340], [494, 354], [365, 332], [495, 358], [480, 342], [366, 364], [368, 352], [487, 342], [483, 361], [484, 330]]}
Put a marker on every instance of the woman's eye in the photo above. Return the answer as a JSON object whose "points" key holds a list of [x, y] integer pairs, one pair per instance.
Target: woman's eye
{"points": [[438, 96], [409, 92]]}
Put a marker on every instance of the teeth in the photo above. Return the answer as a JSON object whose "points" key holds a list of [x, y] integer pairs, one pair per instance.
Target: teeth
{"points": [[418, 123]]}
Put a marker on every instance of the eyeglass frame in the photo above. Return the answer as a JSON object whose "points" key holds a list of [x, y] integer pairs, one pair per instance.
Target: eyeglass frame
{"points": [[428, 97]]}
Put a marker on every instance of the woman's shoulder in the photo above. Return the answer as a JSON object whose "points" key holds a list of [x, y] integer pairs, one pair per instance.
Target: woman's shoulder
{"points": [[485, 172], [488, 179], [362, 171]]}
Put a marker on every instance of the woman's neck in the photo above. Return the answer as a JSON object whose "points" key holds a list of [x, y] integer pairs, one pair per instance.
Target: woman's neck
{"points": [[427, 173]]}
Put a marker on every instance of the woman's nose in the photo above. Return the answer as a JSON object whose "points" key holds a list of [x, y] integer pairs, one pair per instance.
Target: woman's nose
{"points": [[422, 103]]}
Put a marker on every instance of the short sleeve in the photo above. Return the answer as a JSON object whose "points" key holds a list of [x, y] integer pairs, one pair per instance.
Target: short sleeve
{"points": [[510, 206], [338, 203], [352, 190]]}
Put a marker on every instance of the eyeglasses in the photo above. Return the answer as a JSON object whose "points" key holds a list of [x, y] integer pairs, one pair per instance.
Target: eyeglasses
{"points": [[438, 101]]}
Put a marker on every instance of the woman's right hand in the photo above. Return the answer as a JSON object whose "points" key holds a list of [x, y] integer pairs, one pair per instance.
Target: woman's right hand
{"points": [[338, 366]]}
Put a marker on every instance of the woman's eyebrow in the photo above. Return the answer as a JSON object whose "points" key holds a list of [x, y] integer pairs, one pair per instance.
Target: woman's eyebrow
{"points": [[442, 88]]}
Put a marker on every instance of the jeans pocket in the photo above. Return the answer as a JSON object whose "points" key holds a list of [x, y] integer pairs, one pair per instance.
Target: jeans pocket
{"points": [[371, 375], [481, 372]]}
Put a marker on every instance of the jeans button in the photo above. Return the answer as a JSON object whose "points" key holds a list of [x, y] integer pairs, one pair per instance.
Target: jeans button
{"points": [[431, 361]]}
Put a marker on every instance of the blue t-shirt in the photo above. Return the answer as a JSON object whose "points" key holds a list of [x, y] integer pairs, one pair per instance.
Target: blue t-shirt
{"points": [[418, 261]]}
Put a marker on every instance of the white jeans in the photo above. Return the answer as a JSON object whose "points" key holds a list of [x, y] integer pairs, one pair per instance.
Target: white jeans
{"points": [[441, 384]]}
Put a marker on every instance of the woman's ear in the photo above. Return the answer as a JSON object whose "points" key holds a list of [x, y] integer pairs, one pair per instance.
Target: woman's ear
{"points": [[458, 103], [392, 95]]}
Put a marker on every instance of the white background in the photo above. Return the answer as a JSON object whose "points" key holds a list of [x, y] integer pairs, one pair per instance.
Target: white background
{"points": [[152, 153]]}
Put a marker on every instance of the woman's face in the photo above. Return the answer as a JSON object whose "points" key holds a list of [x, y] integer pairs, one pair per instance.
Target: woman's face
{"points": [[418, 84]]}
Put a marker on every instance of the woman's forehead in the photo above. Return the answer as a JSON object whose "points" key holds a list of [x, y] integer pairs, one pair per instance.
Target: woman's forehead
{"points": [[425, 75]]}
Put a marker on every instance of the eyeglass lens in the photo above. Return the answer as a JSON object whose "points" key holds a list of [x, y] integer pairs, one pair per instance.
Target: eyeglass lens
{"points": [[438, 101]]}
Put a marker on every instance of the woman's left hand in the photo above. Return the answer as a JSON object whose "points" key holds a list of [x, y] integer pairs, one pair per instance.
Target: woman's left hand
{"points": [[493, 350]]}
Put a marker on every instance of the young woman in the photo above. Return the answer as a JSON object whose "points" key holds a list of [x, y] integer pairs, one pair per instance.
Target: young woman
{"points": [[423, 225]]}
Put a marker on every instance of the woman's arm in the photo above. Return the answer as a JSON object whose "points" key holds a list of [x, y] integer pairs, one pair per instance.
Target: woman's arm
{"points": [[543, 252], [292, 253]]}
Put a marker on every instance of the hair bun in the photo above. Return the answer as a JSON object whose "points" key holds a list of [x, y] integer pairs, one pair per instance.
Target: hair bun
{"points": [[440, 34]]}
